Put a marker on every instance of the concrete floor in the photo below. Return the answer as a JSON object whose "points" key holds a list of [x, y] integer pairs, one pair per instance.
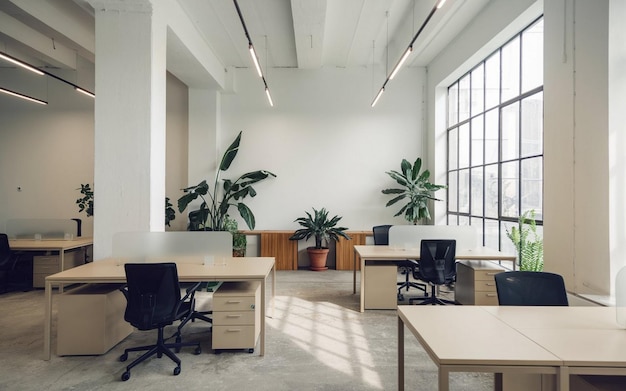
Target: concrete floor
{"points": [[316, 340]]}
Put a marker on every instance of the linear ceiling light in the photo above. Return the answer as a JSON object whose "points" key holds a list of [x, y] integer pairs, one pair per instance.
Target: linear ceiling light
{"points": [[22, 96], [407, 52], [42, 72], [20, 63], [255, 58]]}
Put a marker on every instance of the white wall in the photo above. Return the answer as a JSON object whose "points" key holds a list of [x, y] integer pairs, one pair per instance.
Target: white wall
{"points": [[324, 142], [49, 151]]}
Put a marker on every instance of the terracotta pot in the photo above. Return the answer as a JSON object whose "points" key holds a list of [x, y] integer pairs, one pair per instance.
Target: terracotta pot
{"points": [[317, 257]]}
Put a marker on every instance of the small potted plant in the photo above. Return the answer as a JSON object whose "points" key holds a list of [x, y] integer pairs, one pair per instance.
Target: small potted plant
{"points": [[323, 230]]}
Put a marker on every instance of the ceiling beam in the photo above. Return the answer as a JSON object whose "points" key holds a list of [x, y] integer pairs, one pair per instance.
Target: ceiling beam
{"points": [[309, 20]]}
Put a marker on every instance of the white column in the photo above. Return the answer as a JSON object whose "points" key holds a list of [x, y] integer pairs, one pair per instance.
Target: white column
{"points": [[129, 178]]}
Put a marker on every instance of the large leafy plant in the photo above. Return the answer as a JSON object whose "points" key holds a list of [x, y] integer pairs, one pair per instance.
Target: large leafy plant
{"points": [[320, 227], [416, 190], [216, 203], [528, 243], [85, 203]]}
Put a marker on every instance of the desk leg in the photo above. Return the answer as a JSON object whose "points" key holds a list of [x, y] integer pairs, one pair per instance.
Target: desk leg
{"points": [[47, 322], [444, 379], [272, 303], [62, 262], [263, 287], [356, 255], [562, 379], [362, 298], [400, 354]]}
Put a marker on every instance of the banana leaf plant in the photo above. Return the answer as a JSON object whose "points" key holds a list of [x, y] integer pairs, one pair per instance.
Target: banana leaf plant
{"points": [[416, 190], [216, 203]]}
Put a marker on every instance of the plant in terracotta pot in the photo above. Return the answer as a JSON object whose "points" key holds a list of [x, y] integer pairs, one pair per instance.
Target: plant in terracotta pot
{"points": [[323, 229]]}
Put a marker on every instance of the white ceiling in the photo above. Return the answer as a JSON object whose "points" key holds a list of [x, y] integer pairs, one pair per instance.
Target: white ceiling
{"points": [[306, 34]]}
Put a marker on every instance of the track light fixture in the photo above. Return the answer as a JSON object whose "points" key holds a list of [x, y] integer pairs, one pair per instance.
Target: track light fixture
{"points": [[407, 52], [31, 68], [255, 58]]}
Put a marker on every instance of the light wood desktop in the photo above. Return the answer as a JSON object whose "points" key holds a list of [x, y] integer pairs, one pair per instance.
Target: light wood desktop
{"points": [[111, 270], [392, 254], [59, 245], [543, 340]]}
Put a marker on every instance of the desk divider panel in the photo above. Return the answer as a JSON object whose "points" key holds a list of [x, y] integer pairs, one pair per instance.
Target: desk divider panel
{"points": [[42, 229], [466, 237], [166, 246]]}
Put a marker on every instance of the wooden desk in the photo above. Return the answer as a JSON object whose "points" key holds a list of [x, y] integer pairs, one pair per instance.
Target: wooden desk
{"points": [[50, 245], [470, 339], [387, 253], [112, 271], [544, 340]]}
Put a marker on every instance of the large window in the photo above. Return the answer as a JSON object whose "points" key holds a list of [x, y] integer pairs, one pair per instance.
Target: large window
{"points": [[495, 139]]}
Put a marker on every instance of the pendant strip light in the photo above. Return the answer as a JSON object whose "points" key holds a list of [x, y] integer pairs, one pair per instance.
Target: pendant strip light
{"points": [[41, 72], [255, 58], [407, 52], [22, 96]]}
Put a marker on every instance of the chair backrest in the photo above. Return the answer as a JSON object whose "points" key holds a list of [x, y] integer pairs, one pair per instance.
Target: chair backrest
{"points": [[5, 249], [381, 235], [437, 261], [531, 288], [153, 294]]}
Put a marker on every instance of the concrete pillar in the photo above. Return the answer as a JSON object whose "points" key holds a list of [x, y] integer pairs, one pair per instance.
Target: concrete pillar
{"points": [[129, 177]]}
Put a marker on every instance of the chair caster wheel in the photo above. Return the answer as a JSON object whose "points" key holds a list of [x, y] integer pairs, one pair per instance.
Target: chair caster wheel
{"points": [[176, 371], [159, 355], [198, 350], [251, 350], [125, 376], [123, 358]]}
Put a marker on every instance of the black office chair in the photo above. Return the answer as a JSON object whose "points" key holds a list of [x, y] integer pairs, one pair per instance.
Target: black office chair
{"points": [[531, 288], [437, 267], [409, 267], [154, 301], [15, 272]]}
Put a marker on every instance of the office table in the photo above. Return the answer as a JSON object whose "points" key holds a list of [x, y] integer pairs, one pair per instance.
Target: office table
{"points": [[544, 340], [59, 245], [111, 270], [387, 253]]}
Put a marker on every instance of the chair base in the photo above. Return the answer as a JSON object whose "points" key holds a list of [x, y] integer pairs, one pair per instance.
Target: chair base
{"points": [[158, 349], [433, 299]]}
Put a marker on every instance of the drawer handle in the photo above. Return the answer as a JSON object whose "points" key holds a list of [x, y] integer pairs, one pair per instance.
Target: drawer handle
{"points": [[490, 284], [492, 273], [233, 316], [233, 330], [233, 301], [492, 294]]}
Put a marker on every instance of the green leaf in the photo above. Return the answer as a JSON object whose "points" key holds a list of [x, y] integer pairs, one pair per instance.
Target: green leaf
{"points": [[230, 154]]}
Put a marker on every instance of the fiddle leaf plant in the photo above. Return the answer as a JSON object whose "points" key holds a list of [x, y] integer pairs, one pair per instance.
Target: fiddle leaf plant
{"points": [[416, 190], [85, 203], [216, 203]]}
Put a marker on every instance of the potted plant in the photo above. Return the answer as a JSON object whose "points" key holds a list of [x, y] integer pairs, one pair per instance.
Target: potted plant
{"points": [[170, 213], [239, 239], [323, 230], [416, 189], [528, 243], [216, 203], [85, 203]]}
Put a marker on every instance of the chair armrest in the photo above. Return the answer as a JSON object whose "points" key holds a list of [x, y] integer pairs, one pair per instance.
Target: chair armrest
{"points": [[191, 291]]}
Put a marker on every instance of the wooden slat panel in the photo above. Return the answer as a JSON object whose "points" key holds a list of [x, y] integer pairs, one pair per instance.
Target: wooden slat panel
{"points": [[345, 250], [277, 244]]}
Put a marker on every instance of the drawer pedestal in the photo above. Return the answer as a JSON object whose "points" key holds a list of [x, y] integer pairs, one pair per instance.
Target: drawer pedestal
{"points": [[475, 283], [236, 316]]}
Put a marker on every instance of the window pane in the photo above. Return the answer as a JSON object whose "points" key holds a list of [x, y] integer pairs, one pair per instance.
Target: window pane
{"points": [[453, 152], [464, 191], [510, 191], [492, 233], [477, 192], [510, 69], [532, 57], [492, 126], [532, 125], [478, 90], [492, 81], [463, 220], [478, 142], [510, 132], [491, 191], [453, 104], [532, 186], [453, 189], [464, 98], [464, 145]]}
